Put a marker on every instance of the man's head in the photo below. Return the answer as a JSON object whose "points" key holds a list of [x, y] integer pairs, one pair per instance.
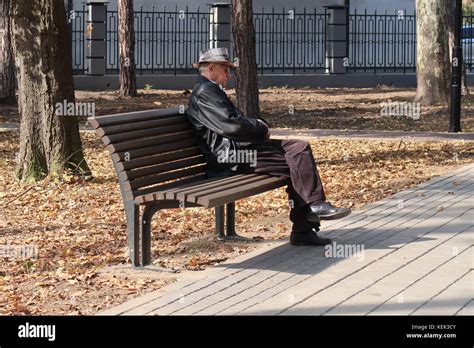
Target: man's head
{"points": [[215, 64], [216, 72]]}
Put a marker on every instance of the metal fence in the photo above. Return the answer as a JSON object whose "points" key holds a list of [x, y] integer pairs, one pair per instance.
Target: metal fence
{"points": [[290, 41], [165, 41], [468, 42], [382, 42], [77, 34], [169, 41]]}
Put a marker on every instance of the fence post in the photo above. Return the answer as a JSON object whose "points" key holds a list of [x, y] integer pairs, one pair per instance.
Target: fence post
{"points": [[219, 30], [336, 40], [96, 37]]}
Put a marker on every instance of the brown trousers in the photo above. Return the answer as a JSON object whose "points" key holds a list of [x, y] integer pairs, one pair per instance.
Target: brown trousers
{"points": [[294, 161]]}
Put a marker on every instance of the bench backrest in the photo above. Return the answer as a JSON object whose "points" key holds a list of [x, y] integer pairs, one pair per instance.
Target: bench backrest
{"points": [[150, 149]]}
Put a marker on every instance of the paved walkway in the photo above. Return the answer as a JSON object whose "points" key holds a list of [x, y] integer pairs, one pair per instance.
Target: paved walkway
{"points": [[417, 259], [283, 133], [368, 134]]}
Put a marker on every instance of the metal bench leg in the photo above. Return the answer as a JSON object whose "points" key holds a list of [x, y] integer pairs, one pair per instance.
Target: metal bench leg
{"points": [[220, 222], [145, 230], [230, 225], [148, 213], [132, 213], [230, 220]]}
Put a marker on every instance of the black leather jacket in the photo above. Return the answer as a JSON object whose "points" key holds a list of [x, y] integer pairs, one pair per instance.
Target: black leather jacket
{"points": [[220, 126]]}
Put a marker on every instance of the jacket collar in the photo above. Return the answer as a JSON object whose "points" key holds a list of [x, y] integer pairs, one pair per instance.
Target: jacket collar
{"points": [[203, 79]]}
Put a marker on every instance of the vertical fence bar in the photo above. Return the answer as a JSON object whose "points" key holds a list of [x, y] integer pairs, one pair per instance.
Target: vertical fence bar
{"points": [[393, 41], [384, 62], [185, 39], [140, 43], [164, 40], [315, 39], [82, 41], [175, 40], [404, 41], [283, 36], [303, 46], [262, 44], [374, 42], [152, 39], [365, 39], [293, 41]]}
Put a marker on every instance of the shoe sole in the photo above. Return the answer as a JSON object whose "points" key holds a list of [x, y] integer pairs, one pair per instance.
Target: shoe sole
{"points": [[329, 217]]}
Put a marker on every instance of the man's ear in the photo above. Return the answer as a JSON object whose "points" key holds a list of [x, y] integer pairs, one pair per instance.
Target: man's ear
{"points": [[212, 70]]}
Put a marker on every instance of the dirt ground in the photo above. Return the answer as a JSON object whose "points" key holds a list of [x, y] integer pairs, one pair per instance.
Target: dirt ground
{"points": [[301, 108], [78, 226]]}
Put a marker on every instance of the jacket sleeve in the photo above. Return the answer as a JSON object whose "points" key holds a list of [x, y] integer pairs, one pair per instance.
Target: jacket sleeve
{"points": [[219, 115], [264, 121]]}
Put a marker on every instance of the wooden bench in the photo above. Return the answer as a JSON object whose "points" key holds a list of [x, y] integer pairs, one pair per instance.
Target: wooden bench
{"points": [[159, 166]]}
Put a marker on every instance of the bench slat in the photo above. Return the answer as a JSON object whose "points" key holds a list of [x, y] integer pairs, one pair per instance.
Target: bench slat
{"points": [[179, 193], [161, 168], [135, 184], [163, 194], [234, 194], [153, 150], [142, 143], [129, 127], [146, 194], [148, 161], [132, 117], [187, 194], [144, 133], [194, 195]]}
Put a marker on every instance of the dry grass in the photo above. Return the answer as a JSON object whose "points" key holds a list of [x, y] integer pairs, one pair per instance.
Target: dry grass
{"points": [[331, 108]]}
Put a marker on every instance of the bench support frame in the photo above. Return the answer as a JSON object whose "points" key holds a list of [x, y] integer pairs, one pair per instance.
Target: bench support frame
{"points": [[139, 218], [139, 227], [225, 216]]}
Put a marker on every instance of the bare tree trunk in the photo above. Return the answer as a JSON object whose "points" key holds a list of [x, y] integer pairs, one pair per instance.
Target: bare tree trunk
{"points": [[434, 18], [128, 84], [244, 46], [49, 143], [7, 67]]}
